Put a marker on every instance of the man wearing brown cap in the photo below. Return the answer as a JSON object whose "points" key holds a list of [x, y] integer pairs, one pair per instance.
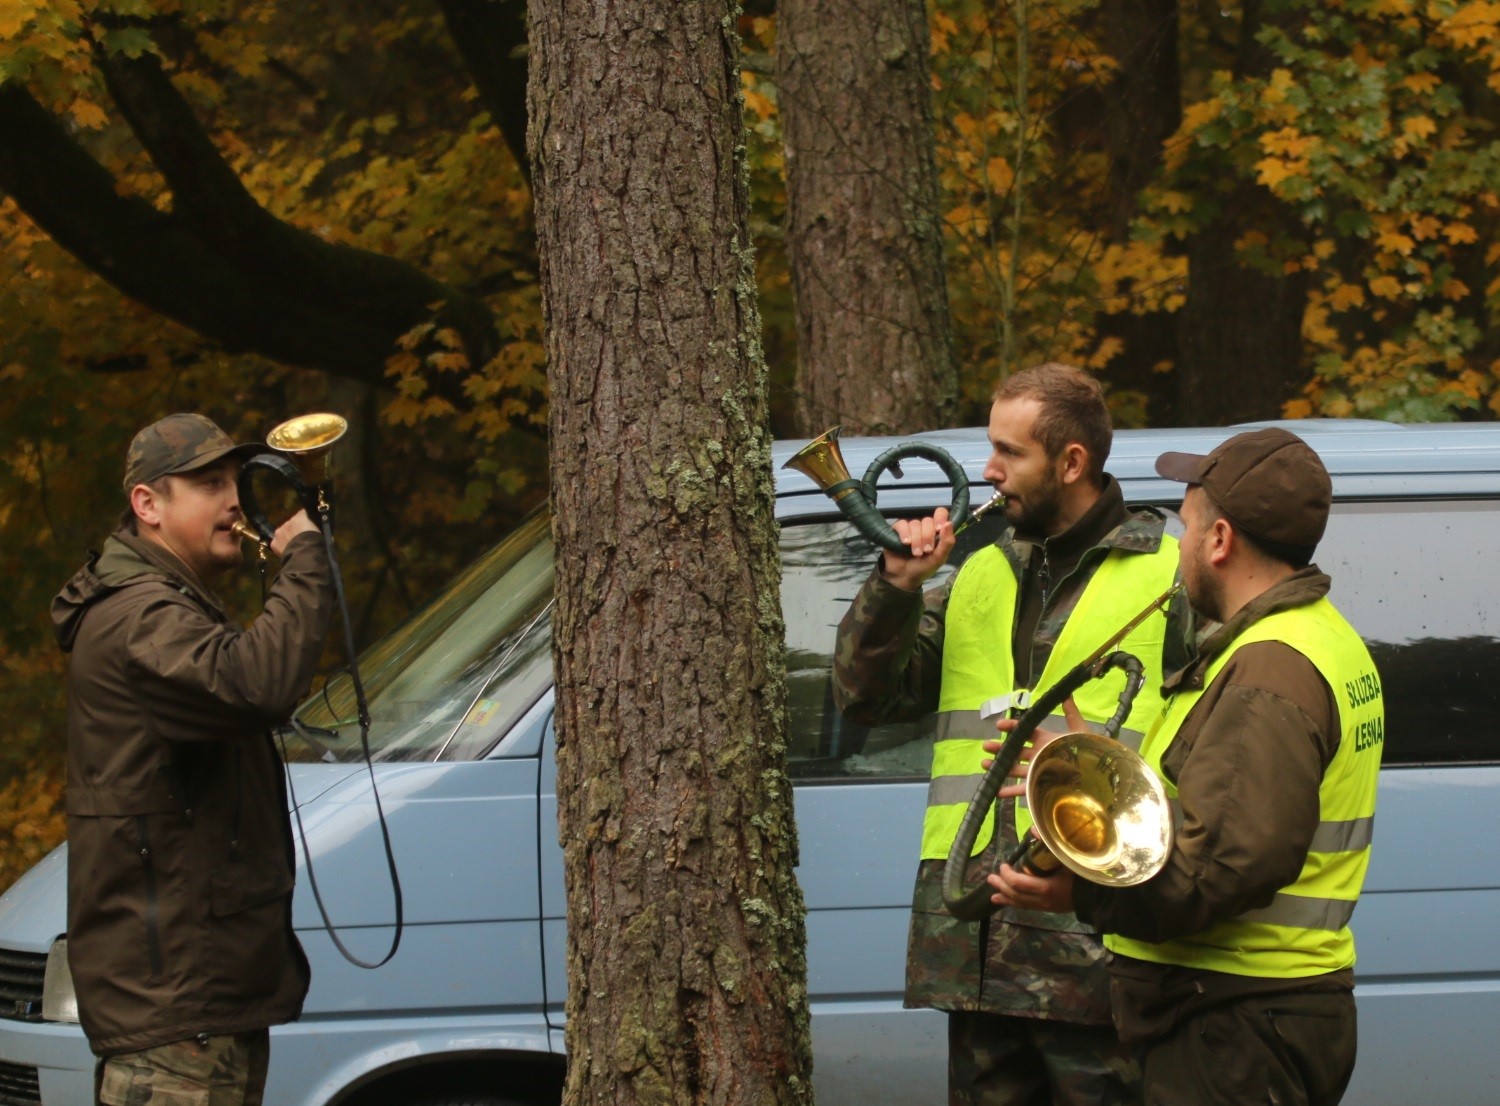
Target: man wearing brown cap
{"points": [[1234, 965], [180, 864]]}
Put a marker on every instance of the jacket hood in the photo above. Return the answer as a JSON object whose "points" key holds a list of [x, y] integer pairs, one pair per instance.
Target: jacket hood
{"points": [[125, 560]]}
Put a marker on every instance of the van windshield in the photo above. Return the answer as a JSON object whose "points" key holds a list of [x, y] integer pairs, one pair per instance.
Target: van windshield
{"points": [[449, 683]]}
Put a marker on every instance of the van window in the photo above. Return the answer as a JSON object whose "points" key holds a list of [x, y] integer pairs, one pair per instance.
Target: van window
{"points": [[823, 566], [448, 684], [1414, 579]]}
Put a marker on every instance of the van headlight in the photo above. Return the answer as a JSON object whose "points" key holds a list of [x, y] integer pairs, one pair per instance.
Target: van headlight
{"points": [[59, 1000]]}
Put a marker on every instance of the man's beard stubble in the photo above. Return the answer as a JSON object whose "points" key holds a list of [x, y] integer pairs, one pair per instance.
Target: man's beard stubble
{"points": [[1039, 511]]}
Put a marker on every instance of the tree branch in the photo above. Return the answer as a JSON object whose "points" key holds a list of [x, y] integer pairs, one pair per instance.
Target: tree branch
{"points": [[218, 262], [491, 39]]}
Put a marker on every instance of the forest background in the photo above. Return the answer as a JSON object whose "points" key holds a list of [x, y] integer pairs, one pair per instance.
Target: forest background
{"points": [[1226, 210]]}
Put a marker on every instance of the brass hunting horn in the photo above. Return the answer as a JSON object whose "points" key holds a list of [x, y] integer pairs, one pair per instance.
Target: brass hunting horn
{"points": [[1099, 808], [301, 456], [1099, 811], [822, 462]]}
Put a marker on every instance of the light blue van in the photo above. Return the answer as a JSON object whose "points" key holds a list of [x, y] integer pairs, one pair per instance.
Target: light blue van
{"points": [[470, 1010]]}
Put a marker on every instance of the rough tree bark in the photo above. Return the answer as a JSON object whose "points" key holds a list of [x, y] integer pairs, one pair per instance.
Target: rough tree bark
{"points": [[864, 238], [686, 969]]}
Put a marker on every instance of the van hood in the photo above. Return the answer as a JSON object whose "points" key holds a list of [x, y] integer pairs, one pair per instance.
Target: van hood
{"points": [[34, 912]]}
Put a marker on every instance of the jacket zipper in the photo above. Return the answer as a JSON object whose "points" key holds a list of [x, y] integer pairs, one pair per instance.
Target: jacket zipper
{"points": [[1048, 594], [153, 937]]}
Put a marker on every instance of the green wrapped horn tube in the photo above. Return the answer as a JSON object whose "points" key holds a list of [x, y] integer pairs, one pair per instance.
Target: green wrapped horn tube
{"points": [[821, 461]]}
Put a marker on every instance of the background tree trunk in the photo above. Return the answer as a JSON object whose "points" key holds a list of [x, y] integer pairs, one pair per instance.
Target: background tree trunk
{"points": [[1240, 330], [1138, 111], [686, 961], [864, 237]]}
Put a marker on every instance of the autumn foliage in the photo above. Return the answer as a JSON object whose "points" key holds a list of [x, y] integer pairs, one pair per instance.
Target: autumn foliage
{"points": [[1228, 211]]}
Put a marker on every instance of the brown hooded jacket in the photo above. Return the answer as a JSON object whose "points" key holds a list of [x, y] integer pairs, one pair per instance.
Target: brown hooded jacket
{"points": [[181, 863]]}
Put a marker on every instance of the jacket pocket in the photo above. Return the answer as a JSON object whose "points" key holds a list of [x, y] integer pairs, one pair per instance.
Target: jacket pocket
{"points": [[152, 906], [240, 885]]}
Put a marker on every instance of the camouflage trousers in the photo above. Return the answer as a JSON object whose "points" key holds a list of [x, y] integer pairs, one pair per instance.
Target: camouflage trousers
{"points": [[200, 1071], [996, 1060]]}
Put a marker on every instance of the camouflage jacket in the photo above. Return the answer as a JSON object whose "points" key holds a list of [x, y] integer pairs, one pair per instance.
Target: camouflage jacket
{"points": [[887, 668]]}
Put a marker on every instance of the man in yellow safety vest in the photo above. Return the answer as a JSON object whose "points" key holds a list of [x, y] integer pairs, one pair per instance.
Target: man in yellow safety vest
{"points": [[1026, 992], [1233, 966]]}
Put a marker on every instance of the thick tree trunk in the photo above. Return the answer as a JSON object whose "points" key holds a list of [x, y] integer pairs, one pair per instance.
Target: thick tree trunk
{"points": [[1240, 331], [1143, 104], [864, 238], [686, 973], [1138, 111]]}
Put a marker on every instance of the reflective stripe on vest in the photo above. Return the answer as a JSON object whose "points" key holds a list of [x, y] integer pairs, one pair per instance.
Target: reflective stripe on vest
{"points": [[978, 666], [1305, 929]]}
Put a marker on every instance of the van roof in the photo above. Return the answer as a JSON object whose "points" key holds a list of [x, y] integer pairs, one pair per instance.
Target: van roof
{"points": [[1362, 455]]}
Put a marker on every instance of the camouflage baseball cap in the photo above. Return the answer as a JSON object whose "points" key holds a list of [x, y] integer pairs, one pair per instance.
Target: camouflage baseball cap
{"points": [[178, 443]]}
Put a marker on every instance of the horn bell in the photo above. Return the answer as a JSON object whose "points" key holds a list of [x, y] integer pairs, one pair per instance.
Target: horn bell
{"points": [[307, 440], [1100, 809], [821, 461]]}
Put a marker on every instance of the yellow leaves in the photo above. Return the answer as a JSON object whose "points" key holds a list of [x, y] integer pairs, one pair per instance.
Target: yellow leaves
{"points": [[448, 362], [943, 28], [1345, 295], [1138, 278], [968, 220], [251, 60], [1278, 86], [1468, 383], [32, 820], [1424, 227], [407, 411], [1271, 171], [14, 15], [1199, 115], [999, 175], [1394, 242], [759, 103], [1108, 349], [1470, 24], [1175, 203], [1287, 142], [1421, 83], [1386, 287], [1286, 150], [88, 114], [1417, 127], [1316, 330], [1454, 289], [385, 124], [1460, 234]]}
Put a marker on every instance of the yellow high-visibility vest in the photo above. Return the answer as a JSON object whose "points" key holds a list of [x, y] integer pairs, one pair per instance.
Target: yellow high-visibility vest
{"points": [[977, 667], [1305, 929]]}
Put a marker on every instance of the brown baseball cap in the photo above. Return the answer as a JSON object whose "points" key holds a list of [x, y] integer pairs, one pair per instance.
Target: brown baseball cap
{"points": [[178, 443], [1268, 482]]}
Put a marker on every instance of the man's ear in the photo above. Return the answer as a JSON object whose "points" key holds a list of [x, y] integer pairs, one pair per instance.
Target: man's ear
{"points": [[146, 503], [1222, 541], [1074, 463]]}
